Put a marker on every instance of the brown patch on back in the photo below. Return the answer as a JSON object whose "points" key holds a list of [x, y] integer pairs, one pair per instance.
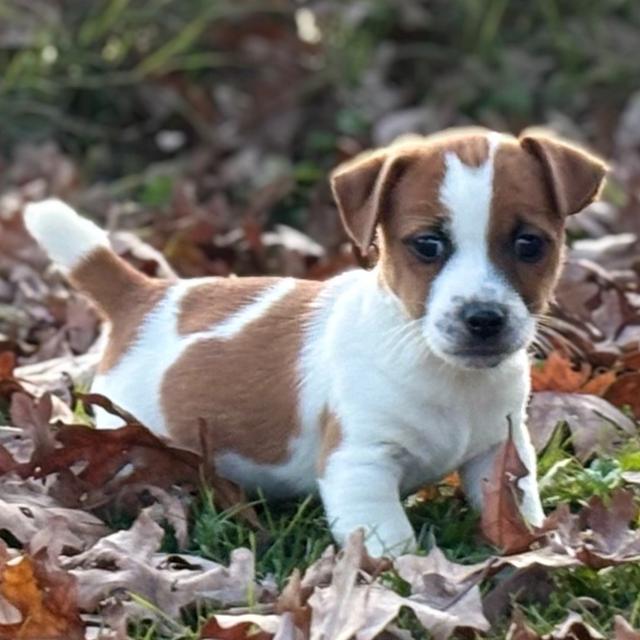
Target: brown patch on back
{"points": [[215, 300], [521, 201], [245, 388], [331, 439], [123, 295]]}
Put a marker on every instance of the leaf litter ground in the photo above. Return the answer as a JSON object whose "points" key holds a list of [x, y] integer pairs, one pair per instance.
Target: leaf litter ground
{"points": [[105, 534]]}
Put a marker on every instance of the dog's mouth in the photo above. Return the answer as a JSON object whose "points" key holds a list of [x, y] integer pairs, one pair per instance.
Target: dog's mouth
{"points": [[480, 356]]}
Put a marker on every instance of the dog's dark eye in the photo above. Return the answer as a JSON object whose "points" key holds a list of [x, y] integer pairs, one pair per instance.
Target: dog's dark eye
{"points": [[529, 247], [429, 248]]}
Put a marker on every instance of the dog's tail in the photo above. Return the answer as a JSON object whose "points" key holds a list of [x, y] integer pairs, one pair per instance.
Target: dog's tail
{"points": [[83, 249]]}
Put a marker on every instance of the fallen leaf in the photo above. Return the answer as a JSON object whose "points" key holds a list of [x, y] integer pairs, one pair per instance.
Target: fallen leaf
{"points": [[557, 373], [502, 523], [518, 629], [44, 597], [599, 384], [445, 585], [354, 605], [611, 540], [249, 627], [625, 392], [26, 509], [34, 415], [129, 562], [623, 630], [94, 467], [595, 424], [531, 585], [575, 628]]}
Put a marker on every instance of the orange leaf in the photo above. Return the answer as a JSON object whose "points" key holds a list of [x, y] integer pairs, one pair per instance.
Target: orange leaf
{"points": [[44, 598], [452, 480], [599, 384], [556, 373]]}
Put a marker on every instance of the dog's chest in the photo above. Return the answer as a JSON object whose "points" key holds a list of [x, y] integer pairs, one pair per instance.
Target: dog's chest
{"points": [[454, 423], [432, 419]]}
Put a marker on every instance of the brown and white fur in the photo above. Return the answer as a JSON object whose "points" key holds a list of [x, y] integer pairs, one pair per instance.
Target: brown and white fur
{"points": [[372, 383]]}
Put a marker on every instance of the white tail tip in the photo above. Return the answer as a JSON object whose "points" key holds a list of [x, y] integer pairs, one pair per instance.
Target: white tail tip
{"points": [[62, 233]]}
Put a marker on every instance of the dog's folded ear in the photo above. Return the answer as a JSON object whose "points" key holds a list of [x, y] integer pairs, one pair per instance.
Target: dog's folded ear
{"points": [[360, 188], [575, 177]]}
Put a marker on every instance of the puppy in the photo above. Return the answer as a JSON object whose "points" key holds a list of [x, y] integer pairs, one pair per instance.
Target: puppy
{"points": [[372, 383]]}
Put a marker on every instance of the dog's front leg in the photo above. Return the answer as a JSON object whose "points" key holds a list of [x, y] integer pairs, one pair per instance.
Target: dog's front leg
{"points": [[359, 491], [477, 471]]}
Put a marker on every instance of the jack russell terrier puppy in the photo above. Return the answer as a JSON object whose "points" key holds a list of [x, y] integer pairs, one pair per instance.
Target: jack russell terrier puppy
{"points": [[372, 383]]}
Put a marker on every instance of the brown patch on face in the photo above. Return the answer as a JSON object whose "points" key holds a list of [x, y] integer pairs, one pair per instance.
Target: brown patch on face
{"points": [[245, 388], [412, 207], [522, 203], [123, 295], [472, 148], [331, 439], [215, 300]]}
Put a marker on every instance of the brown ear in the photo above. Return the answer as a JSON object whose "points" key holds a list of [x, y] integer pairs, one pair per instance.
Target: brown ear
{"points": [[575, 177], [359, 188]]}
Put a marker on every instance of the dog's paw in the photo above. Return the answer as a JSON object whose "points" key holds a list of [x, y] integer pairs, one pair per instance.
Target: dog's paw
{"points": [[390, 546]]}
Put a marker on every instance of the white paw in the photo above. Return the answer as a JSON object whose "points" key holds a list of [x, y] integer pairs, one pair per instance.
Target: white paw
{"points": [[390, 545]]}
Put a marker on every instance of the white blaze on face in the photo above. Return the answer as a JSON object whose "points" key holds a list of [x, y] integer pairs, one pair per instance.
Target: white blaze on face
{"points": [[469, 276]]}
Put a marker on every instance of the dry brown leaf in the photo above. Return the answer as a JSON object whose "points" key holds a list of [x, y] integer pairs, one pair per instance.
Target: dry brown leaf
{"points": [[502, 522], [557, 373], [94, 467], [574, 628], [293, 600], [33, 415], [8, 382], [26, 509], [623, 630], [45, 598], [240, 628], [354, 605], [611, 540], [518, 629], [625, 391], [596, 425], [598, 384], [128, 561], [251, 627], [445, 585]]}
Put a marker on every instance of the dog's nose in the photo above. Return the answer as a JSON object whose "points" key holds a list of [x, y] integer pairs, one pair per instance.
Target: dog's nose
{"points": [[484, 320]]}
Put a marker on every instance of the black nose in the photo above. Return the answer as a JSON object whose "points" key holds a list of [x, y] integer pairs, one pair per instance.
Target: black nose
{"points": [[484, 320]]}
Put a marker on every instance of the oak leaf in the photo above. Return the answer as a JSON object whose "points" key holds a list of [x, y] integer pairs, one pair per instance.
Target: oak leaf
{"points": [[502, 522], [623, 630], [557, 373], [596, 425], [45, 598]]}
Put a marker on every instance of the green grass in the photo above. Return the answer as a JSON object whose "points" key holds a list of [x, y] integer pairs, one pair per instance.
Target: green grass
{"points": [[295, 534]]}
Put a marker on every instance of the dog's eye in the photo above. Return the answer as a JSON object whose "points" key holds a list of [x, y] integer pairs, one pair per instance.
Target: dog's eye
{"points": [[429, 248], [529, 247]]}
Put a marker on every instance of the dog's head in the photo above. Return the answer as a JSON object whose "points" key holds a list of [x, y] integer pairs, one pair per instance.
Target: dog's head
{"points": [[470, 231]]}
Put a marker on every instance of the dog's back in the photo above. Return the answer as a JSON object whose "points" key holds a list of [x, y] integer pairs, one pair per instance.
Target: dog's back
{"points": [[214, 358]]}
